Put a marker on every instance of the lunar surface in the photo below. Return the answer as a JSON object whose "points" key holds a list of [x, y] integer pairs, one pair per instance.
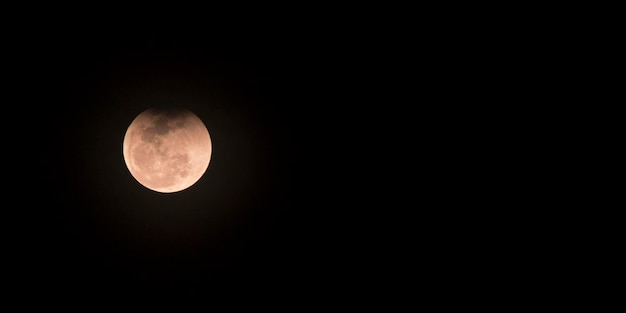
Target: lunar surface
{"points": [[167, 150]]}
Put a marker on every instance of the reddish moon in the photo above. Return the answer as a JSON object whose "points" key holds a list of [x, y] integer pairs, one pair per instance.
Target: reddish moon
{"points": [[167, 150]]}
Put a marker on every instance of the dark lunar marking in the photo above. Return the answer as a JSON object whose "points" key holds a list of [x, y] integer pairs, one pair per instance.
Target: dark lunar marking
{"points": [[149, 135], [165, 119], [161, 126], [180, 123]]}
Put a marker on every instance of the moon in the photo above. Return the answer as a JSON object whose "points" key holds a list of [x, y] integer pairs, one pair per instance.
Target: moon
{"points": [[167, 149]]}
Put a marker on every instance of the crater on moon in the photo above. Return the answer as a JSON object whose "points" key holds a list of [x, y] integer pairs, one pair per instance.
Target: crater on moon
{"points": [[167, 150]]}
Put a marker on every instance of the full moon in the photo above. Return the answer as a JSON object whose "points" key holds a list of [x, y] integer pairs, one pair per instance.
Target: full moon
{"points": [[167, 150]]}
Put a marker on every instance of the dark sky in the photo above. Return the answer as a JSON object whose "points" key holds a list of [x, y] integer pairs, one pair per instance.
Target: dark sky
{"points": [[84, 225], [263, 218]]}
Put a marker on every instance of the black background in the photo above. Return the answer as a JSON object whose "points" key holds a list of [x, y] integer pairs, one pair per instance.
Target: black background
{"points": [[347, 166], [280, 209]]}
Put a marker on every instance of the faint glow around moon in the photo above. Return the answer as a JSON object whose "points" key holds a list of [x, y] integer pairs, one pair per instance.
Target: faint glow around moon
{"points": [[167, 150]]}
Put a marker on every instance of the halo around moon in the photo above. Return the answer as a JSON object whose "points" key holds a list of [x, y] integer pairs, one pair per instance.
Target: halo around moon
{"points": [[167, 150]]}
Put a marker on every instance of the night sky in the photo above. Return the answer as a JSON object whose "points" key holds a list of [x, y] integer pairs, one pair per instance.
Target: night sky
{"points": [[265, 217], [85, 227], [342, 141]]}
